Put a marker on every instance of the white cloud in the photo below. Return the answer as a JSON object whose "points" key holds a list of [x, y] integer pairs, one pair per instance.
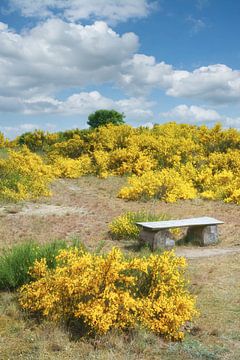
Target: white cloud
{"points": [[86, 102], [217, 83], [82, 103], [56, 55], [197, 115], [12, 131], [142, 73], [232, 122], [109, 10], [191, 114]]}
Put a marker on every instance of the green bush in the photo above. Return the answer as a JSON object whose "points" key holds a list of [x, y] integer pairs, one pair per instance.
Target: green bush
{"points": [[15, 262], [124, 227]]}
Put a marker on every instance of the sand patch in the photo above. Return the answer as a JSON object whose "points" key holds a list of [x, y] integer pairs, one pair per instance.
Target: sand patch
{"points": [[45, 210]]}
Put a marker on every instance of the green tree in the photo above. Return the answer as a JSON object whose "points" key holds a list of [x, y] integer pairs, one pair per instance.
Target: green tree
{"points": [[104, 117]]}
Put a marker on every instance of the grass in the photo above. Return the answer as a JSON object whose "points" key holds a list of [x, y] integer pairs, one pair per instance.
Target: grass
{"points": [[16, 261]]}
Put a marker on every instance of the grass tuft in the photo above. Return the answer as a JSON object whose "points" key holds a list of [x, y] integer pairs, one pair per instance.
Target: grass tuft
{"points": [[16, 261]]}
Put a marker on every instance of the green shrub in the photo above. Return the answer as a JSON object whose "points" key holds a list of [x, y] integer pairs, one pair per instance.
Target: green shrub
{"points": [[124, 227], [15, 262]]}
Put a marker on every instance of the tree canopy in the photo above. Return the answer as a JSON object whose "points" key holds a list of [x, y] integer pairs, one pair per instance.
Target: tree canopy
{"points": [[104, 117]]}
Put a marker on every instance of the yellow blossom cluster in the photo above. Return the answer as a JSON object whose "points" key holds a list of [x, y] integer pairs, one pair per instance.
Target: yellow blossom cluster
{"points": [[167, 185], [23, 175], [169, 162], [106, 292], [124, 226], [2, 140], [71, 168]]}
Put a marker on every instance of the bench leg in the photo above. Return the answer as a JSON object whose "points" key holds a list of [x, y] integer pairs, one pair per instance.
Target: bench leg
{"points": [[157, 240], [203, 235]]}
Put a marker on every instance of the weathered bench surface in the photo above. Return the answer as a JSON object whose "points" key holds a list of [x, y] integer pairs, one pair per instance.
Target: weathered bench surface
{"points": [[200, 221]]}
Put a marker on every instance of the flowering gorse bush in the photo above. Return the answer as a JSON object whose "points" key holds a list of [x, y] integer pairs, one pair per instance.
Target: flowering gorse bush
{"points": [[70, 168], [167, 185], [23, 175], [124, 226], [168, 162], [2, 140], [112, 292]]}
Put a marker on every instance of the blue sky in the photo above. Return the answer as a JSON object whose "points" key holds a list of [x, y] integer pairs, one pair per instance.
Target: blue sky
{"points": [[156, 61]]}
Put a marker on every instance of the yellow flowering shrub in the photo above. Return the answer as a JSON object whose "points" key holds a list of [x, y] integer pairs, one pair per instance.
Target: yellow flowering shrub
{"points": [[170, 161], [124, 227], [23, 175], [65, 167], [2, 140], [72, 148], [130, 160], [100, 163], [167, 185], [105, 292], [38, 140]]}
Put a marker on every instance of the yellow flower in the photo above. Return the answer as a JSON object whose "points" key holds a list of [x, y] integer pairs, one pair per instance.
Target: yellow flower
{"points": [[111, 291]]}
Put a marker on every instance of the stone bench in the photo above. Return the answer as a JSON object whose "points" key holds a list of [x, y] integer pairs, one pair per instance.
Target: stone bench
{"points": [[202, 231]]}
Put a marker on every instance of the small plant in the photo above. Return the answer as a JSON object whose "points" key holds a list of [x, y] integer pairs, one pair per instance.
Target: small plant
{"points": [[194, 349], [15, 262], [124, 227]]}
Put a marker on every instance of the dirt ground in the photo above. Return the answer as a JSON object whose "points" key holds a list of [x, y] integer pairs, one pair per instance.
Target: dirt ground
{"points": [[83, 208]]}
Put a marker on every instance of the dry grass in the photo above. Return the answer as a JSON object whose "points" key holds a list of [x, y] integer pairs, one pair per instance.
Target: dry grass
{"points": [[99, 204], [215, 335]]}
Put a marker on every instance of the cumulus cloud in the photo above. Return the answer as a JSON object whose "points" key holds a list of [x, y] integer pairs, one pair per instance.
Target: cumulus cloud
{"points": [[87, 102], [232, 122], [13, 131], [81, 104], [109, 10], [192, 114], [196, 115], [142, 73], [214, 83], [57, 55]]}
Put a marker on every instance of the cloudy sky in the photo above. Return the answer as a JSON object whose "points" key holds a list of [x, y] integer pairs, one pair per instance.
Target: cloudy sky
{"points": [[155, 61]]}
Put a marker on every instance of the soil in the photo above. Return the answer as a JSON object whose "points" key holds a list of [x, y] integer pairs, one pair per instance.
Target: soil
{"points": [[83, 208]]}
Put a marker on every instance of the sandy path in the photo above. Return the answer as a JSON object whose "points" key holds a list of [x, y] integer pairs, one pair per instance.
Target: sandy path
{"points": [[196, 253]]}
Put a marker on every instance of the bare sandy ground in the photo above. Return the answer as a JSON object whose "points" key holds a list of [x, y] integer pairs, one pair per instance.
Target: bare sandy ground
{"points": [[83, 208]]}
